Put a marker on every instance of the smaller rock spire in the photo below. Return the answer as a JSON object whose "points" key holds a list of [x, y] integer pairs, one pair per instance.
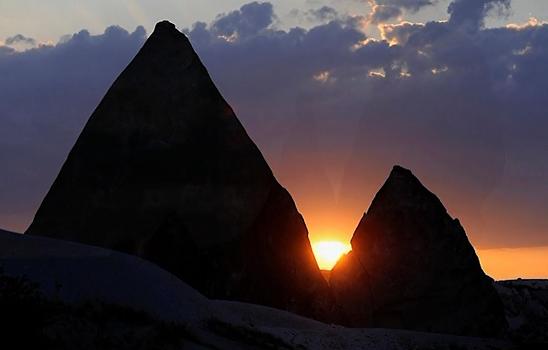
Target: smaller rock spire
{"points": [[412, 267]]}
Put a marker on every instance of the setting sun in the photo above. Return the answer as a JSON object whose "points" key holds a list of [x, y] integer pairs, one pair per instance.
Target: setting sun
{"points": [[328, 253]]}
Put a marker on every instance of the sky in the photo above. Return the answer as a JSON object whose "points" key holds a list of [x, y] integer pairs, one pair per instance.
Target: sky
{"points": [[333, 92], [47, 21]]}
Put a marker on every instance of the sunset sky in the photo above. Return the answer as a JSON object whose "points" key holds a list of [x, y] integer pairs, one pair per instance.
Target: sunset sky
{"points": [[334, 93]]}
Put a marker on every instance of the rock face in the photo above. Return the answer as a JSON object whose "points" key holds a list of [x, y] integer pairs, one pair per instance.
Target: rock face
{"points": [[412, 267], [526, 306], [165, 171]]}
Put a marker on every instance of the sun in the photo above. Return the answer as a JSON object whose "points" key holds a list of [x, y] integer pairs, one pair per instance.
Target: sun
{"points": [[328, 253]]}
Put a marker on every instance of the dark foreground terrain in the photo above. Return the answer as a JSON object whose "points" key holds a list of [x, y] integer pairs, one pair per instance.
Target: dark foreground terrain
{"points": [[109, 300]]}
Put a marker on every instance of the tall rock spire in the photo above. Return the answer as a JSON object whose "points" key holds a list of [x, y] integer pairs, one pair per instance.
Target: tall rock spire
{"points": [[164, 170], [412, 267]]}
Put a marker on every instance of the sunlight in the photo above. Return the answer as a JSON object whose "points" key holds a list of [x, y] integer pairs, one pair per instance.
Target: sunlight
{"points": [[328, 253], [511, 263]]}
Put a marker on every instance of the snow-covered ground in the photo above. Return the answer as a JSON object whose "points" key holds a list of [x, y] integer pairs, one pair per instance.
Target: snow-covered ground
{"points": [[75, 273]]}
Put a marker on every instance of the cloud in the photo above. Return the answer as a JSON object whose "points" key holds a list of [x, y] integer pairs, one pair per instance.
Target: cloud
{"points": [[411, 5], [382, 13], [20, 42], [316, 15], [332, 110], [324, 13], [400, 33], [471, 13], [5, 50], [384, 10], [19, 38], [249, 20]]}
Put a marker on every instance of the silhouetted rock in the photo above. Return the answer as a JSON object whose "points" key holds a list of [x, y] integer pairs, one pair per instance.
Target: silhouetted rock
{"points": [[526, 305], [412, 267], [164, 170]]}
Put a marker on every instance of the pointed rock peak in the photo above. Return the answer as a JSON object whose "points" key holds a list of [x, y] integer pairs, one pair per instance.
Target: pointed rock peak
{"points": [[167, 41], [166, 29], [399, 171], [403, 189], [165, 26], [412, 267], [403, 177]]}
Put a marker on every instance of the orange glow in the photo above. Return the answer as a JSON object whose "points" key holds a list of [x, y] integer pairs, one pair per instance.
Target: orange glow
{"points": [[328, 253], [503, 264]]}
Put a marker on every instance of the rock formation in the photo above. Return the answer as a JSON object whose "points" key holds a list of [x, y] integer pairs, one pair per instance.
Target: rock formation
{"points": [[412, 267], [165, 171], [526, 306]]}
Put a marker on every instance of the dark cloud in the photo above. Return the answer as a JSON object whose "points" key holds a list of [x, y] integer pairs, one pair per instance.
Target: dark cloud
{"points": [[384, 10], [316, 16], [19, 38], [331, 109], [249, 20], [382, 13], [471, 13], [5, 50], [411, 5], [324, 13]]}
